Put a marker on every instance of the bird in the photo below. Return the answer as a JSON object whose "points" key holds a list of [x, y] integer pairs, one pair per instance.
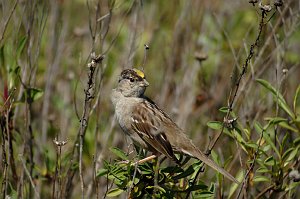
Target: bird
{"points": [[148, 126]]}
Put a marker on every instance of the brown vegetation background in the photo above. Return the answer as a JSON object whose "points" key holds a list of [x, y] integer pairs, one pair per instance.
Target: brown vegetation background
{"points": [[197, 50]]}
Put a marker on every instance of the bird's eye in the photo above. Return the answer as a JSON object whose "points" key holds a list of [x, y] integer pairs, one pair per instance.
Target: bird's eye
{"points": [[131, 79]]}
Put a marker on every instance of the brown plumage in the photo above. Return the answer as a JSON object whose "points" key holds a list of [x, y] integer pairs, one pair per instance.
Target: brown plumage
{"points": [[148, 126]]}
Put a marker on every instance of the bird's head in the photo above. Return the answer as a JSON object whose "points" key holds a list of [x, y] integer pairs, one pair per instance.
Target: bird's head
{"points": [[132, 83]]}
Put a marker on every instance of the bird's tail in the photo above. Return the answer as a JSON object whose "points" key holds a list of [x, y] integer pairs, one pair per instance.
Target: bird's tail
{"points": [[206, 160]]}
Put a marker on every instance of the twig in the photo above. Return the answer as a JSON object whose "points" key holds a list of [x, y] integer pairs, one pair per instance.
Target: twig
{"points": [[95, 179], [234, 90], [8, 158], [120, 28], [134, 173], [145, 56], [200, 170], [133, 33], [252, 164], [28, 145], [89, 95], [59, 145], [108, 187], [5, 167], [57, 43], [29, 176], [54, 178], [93, 33], [156, 165], [8, 19], [263, 49], [233, 93], [9, 130], [264, 191]]}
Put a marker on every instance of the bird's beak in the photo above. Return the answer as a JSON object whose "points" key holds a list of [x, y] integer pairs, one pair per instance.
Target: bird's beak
{"points": [[144, 83]]}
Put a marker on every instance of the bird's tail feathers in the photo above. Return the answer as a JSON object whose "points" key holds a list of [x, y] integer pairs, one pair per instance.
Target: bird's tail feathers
{"points": [[206, 160]]}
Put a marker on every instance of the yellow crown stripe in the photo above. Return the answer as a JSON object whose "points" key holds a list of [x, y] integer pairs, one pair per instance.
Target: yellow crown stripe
{"points": [[139, 73]]}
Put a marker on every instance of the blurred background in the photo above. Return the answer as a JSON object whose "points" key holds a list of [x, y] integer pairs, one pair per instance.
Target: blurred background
{"points": [[196, 52]]}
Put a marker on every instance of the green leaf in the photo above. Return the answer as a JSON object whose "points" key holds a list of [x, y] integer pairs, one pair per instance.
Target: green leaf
{"points": [[47, 160], [74, 166], [296, 142], [215, 157], [13, 194], [250, 144], [293, 185], [270, 161], [287, 153], [197, 187], [289, 127], [265, 148], [296, 99], [281, 101], [118, 152], [205, 194], [269, 141], [276, 120], [118, 173], [157, 188], [17, 70], [36, 93], [238, 136], [172, 169], [2, 57], [258, 127], [263, 170], [290, 154], [32, 94], [234, 186], [21, 45], [102, 172], [212, 187], [214, 125], [282, 144], [190, 170], [224, 109], [197, 165], [261, 179], [145, 169], [247, 133], [268, 86], [114, 192]]}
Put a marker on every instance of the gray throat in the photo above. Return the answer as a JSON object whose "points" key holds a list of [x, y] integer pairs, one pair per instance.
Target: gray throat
{"points": [[116, 96]]}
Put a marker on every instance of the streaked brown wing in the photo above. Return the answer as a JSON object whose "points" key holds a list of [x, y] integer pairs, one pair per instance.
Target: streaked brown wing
{"points": [[148, 127]]}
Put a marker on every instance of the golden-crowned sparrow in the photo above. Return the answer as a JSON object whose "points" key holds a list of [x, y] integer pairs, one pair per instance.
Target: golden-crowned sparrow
{"points": [[148, 126]]}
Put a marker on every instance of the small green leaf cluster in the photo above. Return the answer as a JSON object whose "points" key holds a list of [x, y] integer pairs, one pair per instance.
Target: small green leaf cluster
{"points": [[148, 180], [271, 147]]}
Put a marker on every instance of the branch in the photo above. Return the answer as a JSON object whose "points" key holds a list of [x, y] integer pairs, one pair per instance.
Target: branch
{"points": [[8, 19], [235, 88], [89, 95], [29, 176]]}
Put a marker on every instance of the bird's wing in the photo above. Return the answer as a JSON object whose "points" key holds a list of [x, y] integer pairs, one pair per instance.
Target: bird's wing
{"points": [[155, 127], [146, 123]]}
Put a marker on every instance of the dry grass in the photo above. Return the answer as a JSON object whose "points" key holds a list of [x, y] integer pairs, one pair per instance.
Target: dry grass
{"points": [[200, 59]]}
